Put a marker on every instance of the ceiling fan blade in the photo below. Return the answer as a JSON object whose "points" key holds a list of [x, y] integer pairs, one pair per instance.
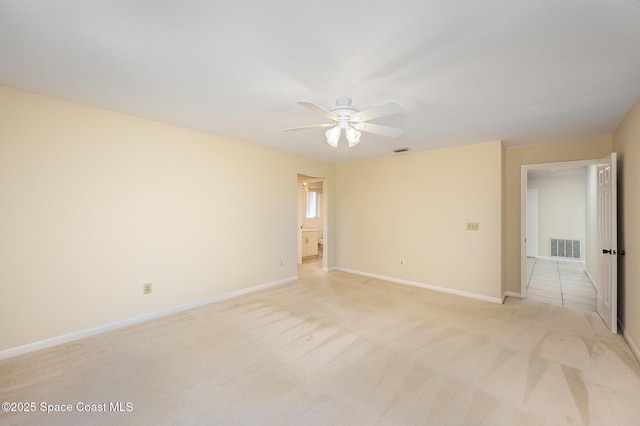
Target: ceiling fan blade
{"points": [[309, 127], [375, 112], [392, 132], [318, 110]]}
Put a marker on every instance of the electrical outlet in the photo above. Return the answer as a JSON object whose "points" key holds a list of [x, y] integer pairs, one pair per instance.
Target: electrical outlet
{"points": [[146, 288], [281, 262], [402, 263], [473, 226]]}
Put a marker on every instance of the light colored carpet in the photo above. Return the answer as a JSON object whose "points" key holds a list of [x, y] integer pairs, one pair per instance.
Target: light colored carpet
{"points": [[337, 348]]}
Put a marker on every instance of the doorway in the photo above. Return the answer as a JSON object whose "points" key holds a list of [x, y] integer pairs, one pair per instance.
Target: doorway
{"points": [[601, 249], [312, 226], [560, 234]]}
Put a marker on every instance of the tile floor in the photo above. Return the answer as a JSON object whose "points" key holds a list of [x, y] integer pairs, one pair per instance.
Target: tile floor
{"points": [[561, 282]]}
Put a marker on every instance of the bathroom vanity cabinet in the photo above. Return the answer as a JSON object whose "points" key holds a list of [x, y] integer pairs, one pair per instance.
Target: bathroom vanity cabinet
{"points": [[309, 242]]}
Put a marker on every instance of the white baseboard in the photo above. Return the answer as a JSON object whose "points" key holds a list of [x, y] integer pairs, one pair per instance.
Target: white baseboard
{"points": [[593, 282], [511, 294], [560, 259], [630, 342], [422, 285], [58, 340]]}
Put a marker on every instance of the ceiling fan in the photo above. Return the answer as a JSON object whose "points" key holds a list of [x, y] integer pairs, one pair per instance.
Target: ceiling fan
{"points": [[347, 118]]}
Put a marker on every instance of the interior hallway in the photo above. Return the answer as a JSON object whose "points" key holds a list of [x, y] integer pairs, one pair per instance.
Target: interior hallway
{"points": [[337, 348], [561, 282]]}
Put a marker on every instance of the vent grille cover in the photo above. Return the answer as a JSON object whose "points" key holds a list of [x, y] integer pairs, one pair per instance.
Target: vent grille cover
{"points": [[568, 249]]}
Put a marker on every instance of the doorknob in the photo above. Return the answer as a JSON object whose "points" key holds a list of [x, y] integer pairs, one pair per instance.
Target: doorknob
{"points": [[606, 251], [621, 252]]}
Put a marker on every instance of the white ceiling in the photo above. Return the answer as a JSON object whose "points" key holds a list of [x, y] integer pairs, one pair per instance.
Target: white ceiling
{"points": [[465, 71]]}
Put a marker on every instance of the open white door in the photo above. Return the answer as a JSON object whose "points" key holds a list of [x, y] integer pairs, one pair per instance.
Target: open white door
{"points": [[608, 243]]}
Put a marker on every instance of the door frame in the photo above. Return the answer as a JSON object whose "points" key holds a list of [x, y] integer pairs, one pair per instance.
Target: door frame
{"points": [[524, 169], [532, 243]]}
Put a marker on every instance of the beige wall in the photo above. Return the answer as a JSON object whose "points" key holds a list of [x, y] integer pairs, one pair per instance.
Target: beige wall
{"points": [[516, 157], [94, 204], [415, 208], [626, 142], [561, 209]]}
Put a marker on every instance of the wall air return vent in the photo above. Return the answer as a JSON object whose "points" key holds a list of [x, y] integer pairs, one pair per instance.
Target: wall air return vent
{"points": [[568, 249]]}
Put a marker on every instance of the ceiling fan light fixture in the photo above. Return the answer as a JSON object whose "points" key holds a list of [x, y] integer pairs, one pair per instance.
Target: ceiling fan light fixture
{"points": [[333, 136], [346, 117], [353, 136]]}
